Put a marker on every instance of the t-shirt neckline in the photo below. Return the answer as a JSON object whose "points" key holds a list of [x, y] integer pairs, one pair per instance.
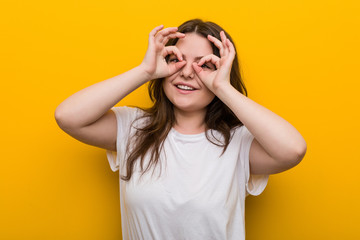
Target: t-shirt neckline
{"points": [[187, 136]]}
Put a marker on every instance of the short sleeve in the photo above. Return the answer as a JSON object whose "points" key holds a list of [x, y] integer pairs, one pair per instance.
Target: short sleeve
{"points": [[124, 118], [255, 184]]}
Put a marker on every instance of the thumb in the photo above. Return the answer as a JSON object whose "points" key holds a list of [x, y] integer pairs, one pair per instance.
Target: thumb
{"points": [[174, 68], [198, 70]]}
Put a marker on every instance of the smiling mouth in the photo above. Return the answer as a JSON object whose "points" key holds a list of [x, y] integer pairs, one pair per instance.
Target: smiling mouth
{"points": [[183, 87]]}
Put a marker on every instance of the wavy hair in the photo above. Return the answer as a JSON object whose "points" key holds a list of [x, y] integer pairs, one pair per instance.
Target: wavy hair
{"points": [[160, 117]]}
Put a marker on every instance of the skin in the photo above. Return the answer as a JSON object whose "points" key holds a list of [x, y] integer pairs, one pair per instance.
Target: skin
{"points": [[277, 146], [86, 115], [190, 106]]}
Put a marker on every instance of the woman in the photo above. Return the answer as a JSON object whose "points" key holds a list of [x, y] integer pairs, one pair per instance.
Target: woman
{"points": [[209, 144]]}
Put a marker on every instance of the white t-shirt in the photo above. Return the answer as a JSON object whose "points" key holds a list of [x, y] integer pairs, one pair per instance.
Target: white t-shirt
{"points": [[199, 195]]}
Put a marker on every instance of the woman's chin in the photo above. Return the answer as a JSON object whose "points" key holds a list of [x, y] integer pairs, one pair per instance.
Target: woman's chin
{"points": [[189, 108]]}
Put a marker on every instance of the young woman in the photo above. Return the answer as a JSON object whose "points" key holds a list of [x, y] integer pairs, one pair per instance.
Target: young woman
{"points": [[186, 164]]}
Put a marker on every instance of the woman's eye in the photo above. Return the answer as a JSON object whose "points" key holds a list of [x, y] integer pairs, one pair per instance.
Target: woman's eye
{"points": [[173, 60], [208, 66]]}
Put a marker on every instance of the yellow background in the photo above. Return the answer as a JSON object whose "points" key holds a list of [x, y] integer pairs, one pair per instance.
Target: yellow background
{"points": [[300, 59]]}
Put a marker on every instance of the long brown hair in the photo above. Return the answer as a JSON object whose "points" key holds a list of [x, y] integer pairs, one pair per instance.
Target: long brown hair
{"points": [[160, 117]]}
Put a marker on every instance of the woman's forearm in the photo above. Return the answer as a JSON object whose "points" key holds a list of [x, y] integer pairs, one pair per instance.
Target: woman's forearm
{"points": [[89, 104], [277, 136]]}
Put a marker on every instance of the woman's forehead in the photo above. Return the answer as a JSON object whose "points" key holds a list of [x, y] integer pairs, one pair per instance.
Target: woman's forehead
{"points": [[194, 45]]}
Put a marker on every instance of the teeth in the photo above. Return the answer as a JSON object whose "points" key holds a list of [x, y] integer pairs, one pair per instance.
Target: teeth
{"points": [[185, 87]]}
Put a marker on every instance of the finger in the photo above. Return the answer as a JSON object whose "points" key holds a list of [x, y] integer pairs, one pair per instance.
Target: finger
{"points": [[155, 30], [223, 36], [168, 30], [224, 42], [231, 48], [153, 33], [230, 58], [197, 68], [172, 50], [217, 43], [161, 34], [173, 35], [199, 72], [210, 58], [173, 68]]}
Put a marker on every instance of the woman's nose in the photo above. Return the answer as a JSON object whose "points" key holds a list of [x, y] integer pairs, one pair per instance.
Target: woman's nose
{"points": [[187, 71]]}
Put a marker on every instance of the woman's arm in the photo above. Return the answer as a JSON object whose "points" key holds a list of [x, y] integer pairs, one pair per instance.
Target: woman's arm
{"points": [[277, 146], [88, 105], [86, 114]]}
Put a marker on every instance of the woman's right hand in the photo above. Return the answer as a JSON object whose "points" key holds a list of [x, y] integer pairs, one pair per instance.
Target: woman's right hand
{"points": [[154, 63]]}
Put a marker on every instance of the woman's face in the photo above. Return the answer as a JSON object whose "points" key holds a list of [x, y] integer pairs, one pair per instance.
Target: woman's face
{"points": [[184, 89]]}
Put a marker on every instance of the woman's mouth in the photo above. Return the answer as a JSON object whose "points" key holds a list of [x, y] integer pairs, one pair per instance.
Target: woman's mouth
{"points": [[183, 87]]}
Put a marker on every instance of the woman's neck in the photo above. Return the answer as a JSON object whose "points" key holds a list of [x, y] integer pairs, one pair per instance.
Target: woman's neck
{"points": [[190, 122]]}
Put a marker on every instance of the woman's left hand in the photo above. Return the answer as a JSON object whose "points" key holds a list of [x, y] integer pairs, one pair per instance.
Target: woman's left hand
{"points": [[213, 79]]}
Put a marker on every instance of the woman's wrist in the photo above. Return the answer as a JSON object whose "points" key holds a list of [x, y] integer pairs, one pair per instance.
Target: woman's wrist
{"points": [[223, 89], [144, 72]]}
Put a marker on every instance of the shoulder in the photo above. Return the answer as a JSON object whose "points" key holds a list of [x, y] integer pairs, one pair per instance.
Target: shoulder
{"points": [[125, 110], [241, 132], [128, 112], [241, 140], [129, 115]]}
